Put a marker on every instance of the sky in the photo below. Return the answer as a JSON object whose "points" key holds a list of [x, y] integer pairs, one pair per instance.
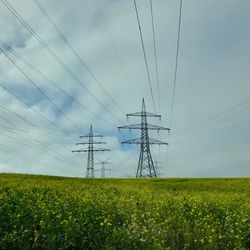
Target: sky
{"points": [[99, 76]]}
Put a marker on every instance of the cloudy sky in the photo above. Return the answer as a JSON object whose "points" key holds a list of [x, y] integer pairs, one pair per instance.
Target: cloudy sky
{"points": [[88, 68]]}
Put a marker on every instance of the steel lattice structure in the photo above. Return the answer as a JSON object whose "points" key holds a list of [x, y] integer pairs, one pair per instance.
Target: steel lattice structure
{"points": [[146, 166], [90, 150], [103, 169]]}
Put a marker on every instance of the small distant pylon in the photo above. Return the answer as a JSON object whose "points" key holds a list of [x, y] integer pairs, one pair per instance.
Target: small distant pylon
{"points": [[103, 168], [145, 164], [157, 168], [90, 163]]}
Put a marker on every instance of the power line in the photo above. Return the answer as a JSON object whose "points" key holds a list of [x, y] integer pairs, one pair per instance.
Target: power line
{"points": [[216, 133], [11, 123], [25, 120], [113, 43], [76, 54], [125, 39], [39, 145], [31, 124], [29, 106], [156, 63], [144, 54], [24, 134], [176, 61], [42, 93], [155, 53], [52, 83], [18, 115], [175, 73], [11, 151], [216, 123], [220, 116], [52, 53]]}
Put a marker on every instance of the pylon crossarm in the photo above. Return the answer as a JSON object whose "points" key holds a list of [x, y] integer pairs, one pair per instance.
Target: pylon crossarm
{"points": [[139, 141], [94, 142], [79, 151], [87, 150], [134, 126], [100, 149], [103, 163], [154, 141], [139, 126], [148, 114], [82, 136], [154, 127], [133, 141]]}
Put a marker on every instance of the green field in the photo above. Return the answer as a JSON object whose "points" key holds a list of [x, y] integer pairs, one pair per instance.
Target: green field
{"points": [[40, 212]]}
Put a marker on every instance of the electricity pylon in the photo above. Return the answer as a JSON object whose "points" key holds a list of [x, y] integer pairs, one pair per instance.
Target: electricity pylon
{"points": [[103, 169], [145, 164], [90, 150], [157, 168]]}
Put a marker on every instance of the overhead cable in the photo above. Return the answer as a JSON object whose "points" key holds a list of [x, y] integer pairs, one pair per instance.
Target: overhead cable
{"points": [[52, 53], [155, 54], [41, 7], [144, 55], [176, 61], [40, 91], [55, 85]]}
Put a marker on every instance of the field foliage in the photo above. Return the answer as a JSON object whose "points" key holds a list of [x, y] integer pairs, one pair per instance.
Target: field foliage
{"points": [[40, 212]]}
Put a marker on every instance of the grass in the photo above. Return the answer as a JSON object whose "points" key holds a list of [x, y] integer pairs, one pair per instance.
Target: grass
{"points": [[42, 212]]}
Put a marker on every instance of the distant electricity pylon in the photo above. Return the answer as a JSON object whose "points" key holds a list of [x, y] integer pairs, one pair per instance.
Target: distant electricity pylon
{"points": [[145, 165], [103, 169], [157, 168], [90, 150]]}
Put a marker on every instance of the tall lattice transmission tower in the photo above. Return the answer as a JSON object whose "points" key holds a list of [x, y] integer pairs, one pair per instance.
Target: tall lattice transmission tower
{"points": [[90, 150], [146, 166]]}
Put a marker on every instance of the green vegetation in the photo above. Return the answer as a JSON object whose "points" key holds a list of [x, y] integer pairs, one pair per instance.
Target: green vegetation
{"points": [[40, 212]]}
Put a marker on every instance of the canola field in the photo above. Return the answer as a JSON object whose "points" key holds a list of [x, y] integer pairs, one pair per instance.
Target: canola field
{"points": [[41, 212]]}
